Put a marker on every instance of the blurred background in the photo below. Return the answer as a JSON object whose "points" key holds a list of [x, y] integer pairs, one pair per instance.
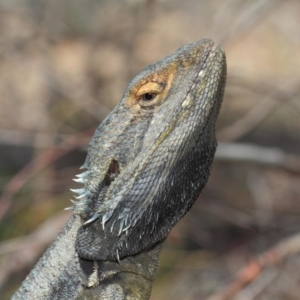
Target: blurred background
{"points": [[65, 64]]}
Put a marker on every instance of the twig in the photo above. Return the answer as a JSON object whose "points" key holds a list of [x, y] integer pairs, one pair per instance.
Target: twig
{"points": [[34, 139], [57, 83], [276, 98], [249, 153], [244, 15], [33, 167], [272, 256]]}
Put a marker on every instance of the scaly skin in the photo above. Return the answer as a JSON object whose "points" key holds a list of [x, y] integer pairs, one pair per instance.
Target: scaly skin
{"points": [[146, 165]]}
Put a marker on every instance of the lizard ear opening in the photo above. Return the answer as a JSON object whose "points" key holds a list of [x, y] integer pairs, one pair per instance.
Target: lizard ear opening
{"points": [[112, 173]]}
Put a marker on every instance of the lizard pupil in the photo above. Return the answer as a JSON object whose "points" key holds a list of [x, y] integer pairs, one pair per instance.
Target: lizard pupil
{"points": [[148, 96]]}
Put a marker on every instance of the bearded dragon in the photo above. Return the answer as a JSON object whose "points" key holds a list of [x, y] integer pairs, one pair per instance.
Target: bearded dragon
{"points": [[146, 165]]}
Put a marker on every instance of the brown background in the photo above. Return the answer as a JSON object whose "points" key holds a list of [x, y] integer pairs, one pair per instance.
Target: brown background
{"points": [[64, 65]]}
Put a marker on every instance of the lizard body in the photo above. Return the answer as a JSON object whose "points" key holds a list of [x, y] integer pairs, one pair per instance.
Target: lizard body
{"points": [[146, 164]]}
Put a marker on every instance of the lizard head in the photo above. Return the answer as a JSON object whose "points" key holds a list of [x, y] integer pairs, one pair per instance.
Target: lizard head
{"points": [[151, 157]]}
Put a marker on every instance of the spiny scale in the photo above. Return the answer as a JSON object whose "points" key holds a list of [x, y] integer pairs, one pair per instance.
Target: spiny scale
{"points": [[83, 167], [92, 219], [80, 180], [105, 218], [84, 197], [83, 175], [74, 202], [85, 194], [69, 208], [121, 226], [78, 191]]}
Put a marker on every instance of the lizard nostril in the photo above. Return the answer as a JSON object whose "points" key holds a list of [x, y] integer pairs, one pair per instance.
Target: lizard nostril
{"points": [[112, 173]]}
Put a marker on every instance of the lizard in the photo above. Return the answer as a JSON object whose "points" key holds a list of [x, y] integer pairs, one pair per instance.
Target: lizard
{"points": [[146, 164]]}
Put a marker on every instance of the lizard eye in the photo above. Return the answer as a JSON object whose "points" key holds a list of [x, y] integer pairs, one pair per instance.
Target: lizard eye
{"points": [[148, 96]]}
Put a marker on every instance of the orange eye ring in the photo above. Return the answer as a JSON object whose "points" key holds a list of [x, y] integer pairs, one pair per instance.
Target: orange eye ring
{"points": [[151, 92]]}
